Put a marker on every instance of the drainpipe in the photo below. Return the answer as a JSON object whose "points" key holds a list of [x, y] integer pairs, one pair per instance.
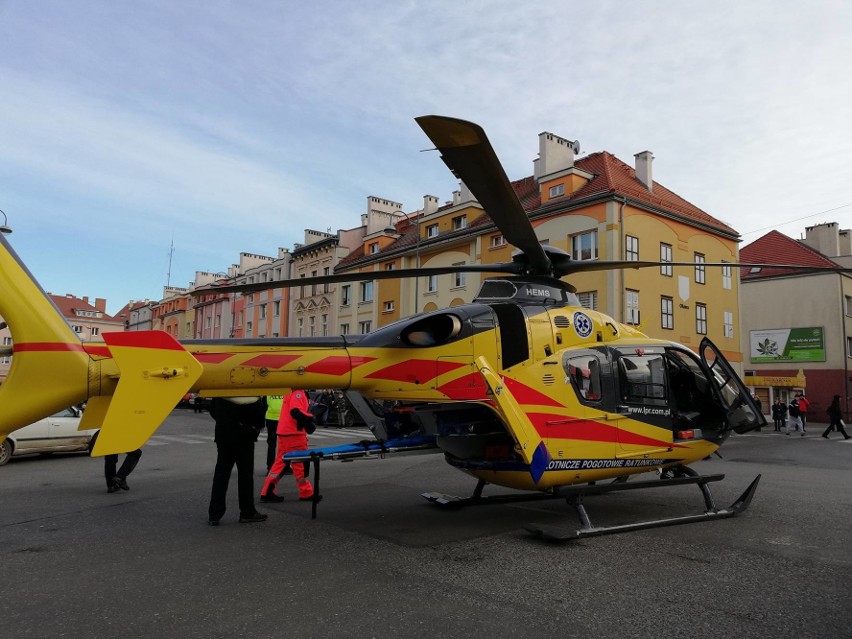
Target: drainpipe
{"points": [[620, 317], [845, 347]]}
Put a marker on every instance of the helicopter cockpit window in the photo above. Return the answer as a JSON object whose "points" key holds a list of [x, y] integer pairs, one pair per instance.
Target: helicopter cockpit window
{"points": [[643, 379], [583, 372]]}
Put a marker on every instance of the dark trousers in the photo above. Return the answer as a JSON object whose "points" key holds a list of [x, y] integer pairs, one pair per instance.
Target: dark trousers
{"points": [[779, 424], [836, 425], [111, 461], [271, 442], [228, 454]]}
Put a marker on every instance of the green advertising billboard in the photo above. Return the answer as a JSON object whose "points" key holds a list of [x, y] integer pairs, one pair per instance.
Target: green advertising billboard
{"points": [[787, 345]]}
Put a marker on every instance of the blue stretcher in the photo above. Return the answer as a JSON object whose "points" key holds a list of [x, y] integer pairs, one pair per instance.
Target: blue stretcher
{"points": [[349, 452]]}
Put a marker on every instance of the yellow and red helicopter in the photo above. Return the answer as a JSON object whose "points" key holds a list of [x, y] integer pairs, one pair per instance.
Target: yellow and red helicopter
{"points": [[521, 388]]}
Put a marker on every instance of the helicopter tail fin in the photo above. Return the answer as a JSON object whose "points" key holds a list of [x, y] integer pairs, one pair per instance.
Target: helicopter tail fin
{"points": [[155, 372], [49, 368]]}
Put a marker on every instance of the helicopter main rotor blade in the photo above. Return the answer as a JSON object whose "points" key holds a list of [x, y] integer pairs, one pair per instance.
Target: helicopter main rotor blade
{"points": [[467, 152], [571, 267], [511, 268]]}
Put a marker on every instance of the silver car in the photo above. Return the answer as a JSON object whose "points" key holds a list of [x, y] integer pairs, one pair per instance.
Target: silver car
{"points": [[54, 434]]}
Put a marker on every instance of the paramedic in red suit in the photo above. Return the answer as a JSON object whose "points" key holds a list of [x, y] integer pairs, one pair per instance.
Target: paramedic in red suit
{"points": [[294, 425]]}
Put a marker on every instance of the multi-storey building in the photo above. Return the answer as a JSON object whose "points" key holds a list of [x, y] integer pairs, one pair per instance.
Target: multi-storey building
{"points": [[137, 315], [266, 313], [595, 208], [88, 321], [797, 326], [328, 308]]}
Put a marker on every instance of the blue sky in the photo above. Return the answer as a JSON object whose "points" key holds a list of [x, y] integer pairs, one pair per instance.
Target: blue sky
{"points": [[233, 126]]}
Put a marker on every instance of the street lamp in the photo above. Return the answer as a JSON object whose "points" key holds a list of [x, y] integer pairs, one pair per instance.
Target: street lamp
{"points": [[5, 228]]}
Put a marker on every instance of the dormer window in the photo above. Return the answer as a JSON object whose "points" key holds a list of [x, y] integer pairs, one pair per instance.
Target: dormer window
{"points": [[556, 191], [374, 248], [459, 222], [432, 230]]}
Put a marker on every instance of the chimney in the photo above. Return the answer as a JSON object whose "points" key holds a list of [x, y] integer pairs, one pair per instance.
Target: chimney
{"points": [[554, 154], [100, 304], [85, 299], [644, 174], [462, 195], [430, 204]]}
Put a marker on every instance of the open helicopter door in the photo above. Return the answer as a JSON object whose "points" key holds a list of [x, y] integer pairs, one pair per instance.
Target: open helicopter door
{"points": [[741, 411]]}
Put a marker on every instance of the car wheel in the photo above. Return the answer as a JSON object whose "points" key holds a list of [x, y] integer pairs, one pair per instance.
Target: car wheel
{"points": [[5, 452], [92, 442], [349, 421]]}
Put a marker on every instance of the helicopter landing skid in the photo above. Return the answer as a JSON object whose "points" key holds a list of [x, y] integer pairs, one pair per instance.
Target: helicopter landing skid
{"points": [[575, 497]]}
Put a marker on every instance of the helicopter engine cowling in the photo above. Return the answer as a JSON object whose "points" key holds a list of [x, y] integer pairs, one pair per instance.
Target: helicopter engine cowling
{"points": [[432, 330]]}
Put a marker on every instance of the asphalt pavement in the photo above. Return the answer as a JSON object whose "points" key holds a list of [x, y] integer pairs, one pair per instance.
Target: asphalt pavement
{"points": [[379, 561]]}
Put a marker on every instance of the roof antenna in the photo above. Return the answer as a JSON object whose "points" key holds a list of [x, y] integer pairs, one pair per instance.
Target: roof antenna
{"points": [[171, 255]]}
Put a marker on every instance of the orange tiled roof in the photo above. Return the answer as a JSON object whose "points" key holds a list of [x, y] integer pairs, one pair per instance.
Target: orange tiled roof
{"points": [[611, 177], [68, 305], [777, 248]]}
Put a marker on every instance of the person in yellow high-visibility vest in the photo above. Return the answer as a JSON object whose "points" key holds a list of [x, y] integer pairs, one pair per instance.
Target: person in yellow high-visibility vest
{"points": [[273, 412]]}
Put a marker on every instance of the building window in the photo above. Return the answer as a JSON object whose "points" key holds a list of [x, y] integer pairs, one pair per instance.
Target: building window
{"points": [[77, 329], [667, 312], [324, 325], [728, 323], [589, 299], [390, 266], [374, 248], [312, 326], [367, 291], [459, 222], [432, 230], [364, 327], [556, 191], [631, 307], [346, 295], [276, 308], [388, 308], [325, 285], [726, 277], [248, 329], [458, 278], [300, 326], [665, 256], [431, 283], [262, 309], [631, 248], [207, 322], [95, 331], [344, 329], [701, 319], [7, 341], [699, 268], [848, 306], [585, 246], [497, 240]]}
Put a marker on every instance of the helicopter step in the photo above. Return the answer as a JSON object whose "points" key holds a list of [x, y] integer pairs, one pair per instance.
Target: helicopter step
{"points": [[576, 494]]}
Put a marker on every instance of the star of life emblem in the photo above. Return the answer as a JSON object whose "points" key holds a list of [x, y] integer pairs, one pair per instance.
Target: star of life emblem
{"points": [[582, 324]]}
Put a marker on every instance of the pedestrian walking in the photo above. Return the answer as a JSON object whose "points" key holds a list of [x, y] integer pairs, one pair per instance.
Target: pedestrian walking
{"points": [[239, 420], [117, 480], [835, 418], [273, 413], [804, 407], [793, 419]]}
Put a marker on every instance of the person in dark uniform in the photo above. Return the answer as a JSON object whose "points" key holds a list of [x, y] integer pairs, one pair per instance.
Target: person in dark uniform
{"points": [[835, 418], [779, 414], [118, 480], [239, 420]]}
